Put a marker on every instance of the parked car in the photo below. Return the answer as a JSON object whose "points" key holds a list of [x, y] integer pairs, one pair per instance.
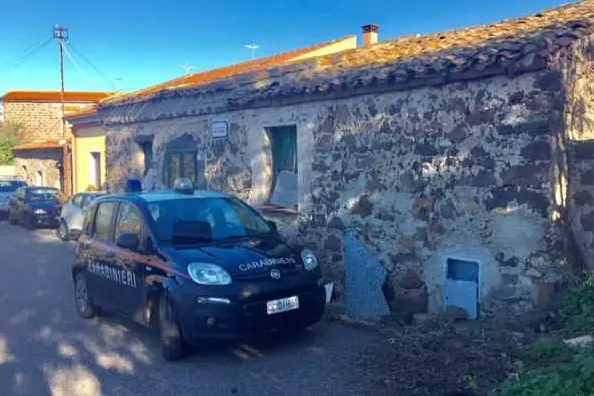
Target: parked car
{"points": [[7, 188], [72, 215], [35, 206], [196, 265]]}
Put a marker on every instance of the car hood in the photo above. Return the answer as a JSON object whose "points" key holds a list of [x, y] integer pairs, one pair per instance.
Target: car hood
{"points": [[240, 257], [47, 205]]}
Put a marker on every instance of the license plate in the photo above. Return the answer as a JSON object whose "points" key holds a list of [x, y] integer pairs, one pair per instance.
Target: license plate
{"points": [[282, 305]]}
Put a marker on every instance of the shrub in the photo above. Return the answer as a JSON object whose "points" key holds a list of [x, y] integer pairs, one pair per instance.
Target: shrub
{"points": [[554, 369], [574, 378], [8, 139], [578, 308]]}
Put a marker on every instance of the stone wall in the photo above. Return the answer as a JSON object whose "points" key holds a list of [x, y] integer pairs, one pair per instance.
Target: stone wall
{"points": [[28, 163], [577, 66], [461, 170], [40, 121]]}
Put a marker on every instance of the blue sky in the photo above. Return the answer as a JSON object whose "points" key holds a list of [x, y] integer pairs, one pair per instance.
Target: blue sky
{"points": [[136, 43]]}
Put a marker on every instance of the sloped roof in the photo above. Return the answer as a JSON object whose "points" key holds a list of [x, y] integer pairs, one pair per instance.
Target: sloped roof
{"points": [[206, 77], [81, 113], [46, 144], [55, 96], [511, 46]]}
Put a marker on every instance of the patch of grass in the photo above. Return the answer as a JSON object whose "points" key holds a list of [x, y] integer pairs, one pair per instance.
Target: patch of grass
{"points": [[578, 308], [546, 352], [551, 368], [574, 378]]}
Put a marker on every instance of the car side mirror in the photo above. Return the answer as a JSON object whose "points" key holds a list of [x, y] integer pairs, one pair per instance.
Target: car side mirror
{"points": [[273, 225], [128, 241]]}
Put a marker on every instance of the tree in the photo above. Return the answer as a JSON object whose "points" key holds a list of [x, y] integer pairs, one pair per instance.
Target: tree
{"points": [[9, 137]]}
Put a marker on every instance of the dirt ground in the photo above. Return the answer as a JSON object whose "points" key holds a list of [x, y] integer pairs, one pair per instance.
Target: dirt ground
{"points": [[438, 358]]}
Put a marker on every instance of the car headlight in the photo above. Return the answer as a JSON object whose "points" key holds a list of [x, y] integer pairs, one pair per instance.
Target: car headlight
{"points": [[208, 274], [309, 259], [39, 212]]}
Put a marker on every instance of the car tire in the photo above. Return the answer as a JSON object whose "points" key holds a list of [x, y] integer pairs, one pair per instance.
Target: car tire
{"points": [[82, 300], [12, 220], [30, 223], [62, 231], [172, 343]]}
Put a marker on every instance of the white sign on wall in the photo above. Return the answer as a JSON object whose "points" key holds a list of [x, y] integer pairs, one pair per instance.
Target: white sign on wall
{"points": [[220, 129]]}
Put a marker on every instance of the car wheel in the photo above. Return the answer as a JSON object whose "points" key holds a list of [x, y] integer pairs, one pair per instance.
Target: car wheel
{"points": [[172, 343], [82, 300], [12, 220], [30, 223], [63, 232]]}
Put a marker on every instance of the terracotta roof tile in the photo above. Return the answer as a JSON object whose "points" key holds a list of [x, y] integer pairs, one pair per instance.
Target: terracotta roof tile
{"points": [[37, 145], [82, 112], [69, 96], [511, 46], [206, 77]]}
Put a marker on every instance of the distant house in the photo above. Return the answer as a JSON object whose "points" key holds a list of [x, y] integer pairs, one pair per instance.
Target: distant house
{"points": [[39, 158], [458, 165]]}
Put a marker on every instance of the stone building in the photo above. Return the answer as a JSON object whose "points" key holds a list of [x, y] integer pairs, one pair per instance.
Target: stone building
{"points": [[39, 157], [452, 169]]}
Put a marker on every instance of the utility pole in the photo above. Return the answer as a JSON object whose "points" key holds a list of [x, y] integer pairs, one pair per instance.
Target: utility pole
{"points": [[61, 34]]}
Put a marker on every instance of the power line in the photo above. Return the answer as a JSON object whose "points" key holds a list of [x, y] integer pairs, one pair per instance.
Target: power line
{"points": [[29, 49], [80, 70], [109, 80], [26, 57]]}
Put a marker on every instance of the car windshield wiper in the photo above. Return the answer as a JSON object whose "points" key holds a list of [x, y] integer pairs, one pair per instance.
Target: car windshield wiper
{"points": [[189, 239]]}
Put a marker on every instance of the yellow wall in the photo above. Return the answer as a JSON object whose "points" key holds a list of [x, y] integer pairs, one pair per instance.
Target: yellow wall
{"points": [[347, 43], [87, 140]]}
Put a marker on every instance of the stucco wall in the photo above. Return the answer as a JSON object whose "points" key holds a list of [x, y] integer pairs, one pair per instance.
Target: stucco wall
{"points": [[577, 67], [462, 170], [86, 141], [28, 163]]}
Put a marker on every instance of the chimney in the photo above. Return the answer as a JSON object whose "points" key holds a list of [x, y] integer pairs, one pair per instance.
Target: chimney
{"points": [[370, 34]]}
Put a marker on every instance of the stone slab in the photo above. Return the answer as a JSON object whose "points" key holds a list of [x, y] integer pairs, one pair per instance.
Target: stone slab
{"points": [[364, 279]]}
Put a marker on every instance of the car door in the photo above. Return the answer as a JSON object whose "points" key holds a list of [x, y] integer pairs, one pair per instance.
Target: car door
{"points": [[22, 205], [130, 260], [13, 205], [71, 209], [78, 217], [100, 253]]}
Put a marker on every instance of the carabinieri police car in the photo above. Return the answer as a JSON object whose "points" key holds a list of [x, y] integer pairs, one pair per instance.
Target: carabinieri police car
{"points": [[196, 266]]}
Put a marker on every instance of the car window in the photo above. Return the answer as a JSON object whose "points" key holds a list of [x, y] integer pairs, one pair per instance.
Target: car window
{"points": [[88, 199], [130, 220], [43, 194], [103, 219], [228, 217], [87, 225], [77, 200], [7, 186]]}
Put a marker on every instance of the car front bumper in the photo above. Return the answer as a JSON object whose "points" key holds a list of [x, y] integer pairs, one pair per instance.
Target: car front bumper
{"points": [[46, 219], [243, 317]]}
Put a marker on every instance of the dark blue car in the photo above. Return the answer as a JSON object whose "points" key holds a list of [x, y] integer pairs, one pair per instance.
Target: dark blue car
{"points": [[197, 266], [34, 207]]}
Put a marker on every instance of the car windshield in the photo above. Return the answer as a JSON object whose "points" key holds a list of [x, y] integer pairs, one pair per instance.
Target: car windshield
{"points": [[89, 198], [43, 194], [10, 185], [227, 217]]}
